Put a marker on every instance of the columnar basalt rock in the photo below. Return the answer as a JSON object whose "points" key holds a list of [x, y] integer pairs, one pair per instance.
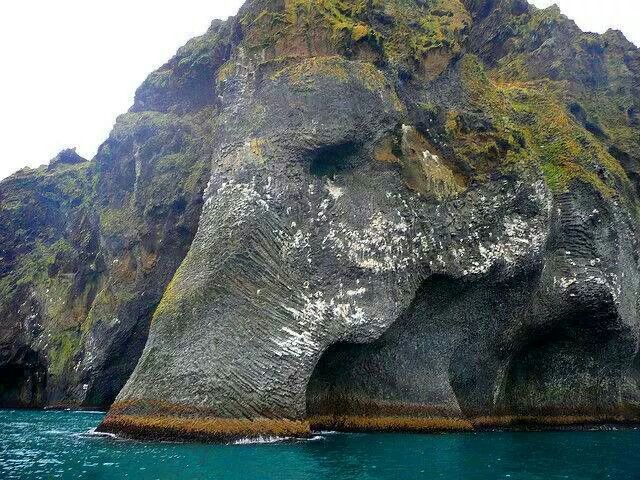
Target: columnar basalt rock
{"points": [[410, 223]]}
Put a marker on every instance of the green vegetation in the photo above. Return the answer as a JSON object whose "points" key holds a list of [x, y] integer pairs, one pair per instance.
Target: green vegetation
{"points": [[530, 123], [318, 26], [167, 149], [53, 212], [338, 26], [111, 297], [63, 348], [33, 268], [117, 221], [569, 95], [305, 73], [141, 124], [169, 299], [437, 25]]}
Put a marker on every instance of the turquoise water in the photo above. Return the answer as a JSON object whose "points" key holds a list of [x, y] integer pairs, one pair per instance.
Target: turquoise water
{"points": [[46, 445]]}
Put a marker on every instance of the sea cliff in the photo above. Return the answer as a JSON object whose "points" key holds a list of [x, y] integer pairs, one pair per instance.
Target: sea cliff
{"points": [[416, 215]]}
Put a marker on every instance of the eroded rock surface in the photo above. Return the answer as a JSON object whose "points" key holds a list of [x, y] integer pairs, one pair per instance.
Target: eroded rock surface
{"points": [[361, 265], [419, 216]]}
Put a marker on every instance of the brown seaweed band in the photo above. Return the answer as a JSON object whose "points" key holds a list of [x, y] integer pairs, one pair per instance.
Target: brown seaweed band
{"points": [[210, 429], [360, 423], [206, 429]]}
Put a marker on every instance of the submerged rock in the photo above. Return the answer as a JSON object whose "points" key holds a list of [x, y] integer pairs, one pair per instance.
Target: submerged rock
{"points": [[419, 216]]}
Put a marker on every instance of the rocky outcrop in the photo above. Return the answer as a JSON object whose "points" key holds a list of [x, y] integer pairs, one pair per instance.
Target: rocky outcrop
{"points": [[419, 216]]}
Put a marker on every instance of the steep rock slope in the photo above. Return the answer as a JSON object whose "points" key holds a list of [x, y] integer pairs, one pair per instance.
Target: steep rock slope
{"points": [[88, 247], [419, 215]]}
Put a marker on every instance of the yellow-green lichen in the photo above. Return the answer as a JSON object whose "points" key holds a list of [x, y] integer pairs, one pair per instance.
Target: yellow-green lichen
{"points": [[117, 221], [330, 27], [303, 75], [530, 123], [63, 348]]}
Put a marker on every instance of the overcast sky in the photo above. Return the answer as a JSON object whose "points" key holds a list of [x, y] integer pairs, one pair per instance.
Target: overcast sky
{"points": [[69, 67]]}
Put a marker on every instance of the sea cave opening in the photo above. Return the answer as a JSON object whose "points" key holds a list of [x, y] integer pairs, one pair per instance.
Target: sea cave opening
{"points": [[574, 369], [398, 381], [23, 385]]}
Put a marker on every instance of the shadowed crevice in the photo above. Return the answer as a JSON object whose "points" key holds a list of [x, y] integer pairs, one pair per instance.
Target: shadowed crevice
{"points": [[23, 385], [575, 368], [332, 160]]}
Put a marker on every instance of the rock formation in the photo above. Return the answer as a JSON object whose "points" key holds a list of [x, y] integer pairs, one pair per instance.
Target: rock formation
{"points": [[419, 215]]}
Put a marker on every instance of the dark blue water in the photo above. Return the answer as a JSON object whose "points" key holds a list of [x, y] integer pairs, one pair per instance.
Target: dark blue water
{"points": [[47, 445]]}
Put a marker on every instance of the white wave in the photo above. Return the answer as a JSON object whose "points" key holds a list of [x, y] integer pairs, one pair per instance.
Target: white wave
{"points": [[93, 433], [271, 440], [260, 440]]}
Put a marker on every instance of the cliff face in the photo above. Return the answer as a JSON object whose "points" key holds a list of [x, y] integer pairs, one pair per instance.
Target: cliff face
{"points": [[419, 215]]}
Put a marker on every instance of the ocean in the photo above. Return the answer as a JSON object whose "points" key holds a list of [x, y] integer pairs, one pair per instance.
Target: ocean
{"points": [[62, 444]]}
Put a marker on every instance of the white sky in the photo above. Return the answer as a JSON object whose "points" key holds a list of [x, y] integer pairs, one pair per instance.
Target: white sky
{"points": [[69, 67]]}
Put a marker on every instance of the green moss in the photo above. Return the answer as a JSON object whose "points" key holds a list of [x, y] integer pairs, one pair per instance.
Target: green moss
{"points": [[75, 183], [169, 299], [340, 16], [115, 222], [175, 176], [170, 165], [429, 108], [303, 75], [33, 267], [613, 116], [530, 123], [226, 71], [64, 185], [418, 30], [57, 295], [544, 17], [132, 124], [160, 79], [590, 71], [360, 32], [338, 26], [197, 51], [555, 175], [63, 348]]}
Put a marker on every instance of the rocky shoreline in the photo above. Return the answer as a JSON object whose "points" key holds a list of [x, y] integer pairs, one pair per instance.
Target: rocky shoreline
{"points": [[229, 430]]}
